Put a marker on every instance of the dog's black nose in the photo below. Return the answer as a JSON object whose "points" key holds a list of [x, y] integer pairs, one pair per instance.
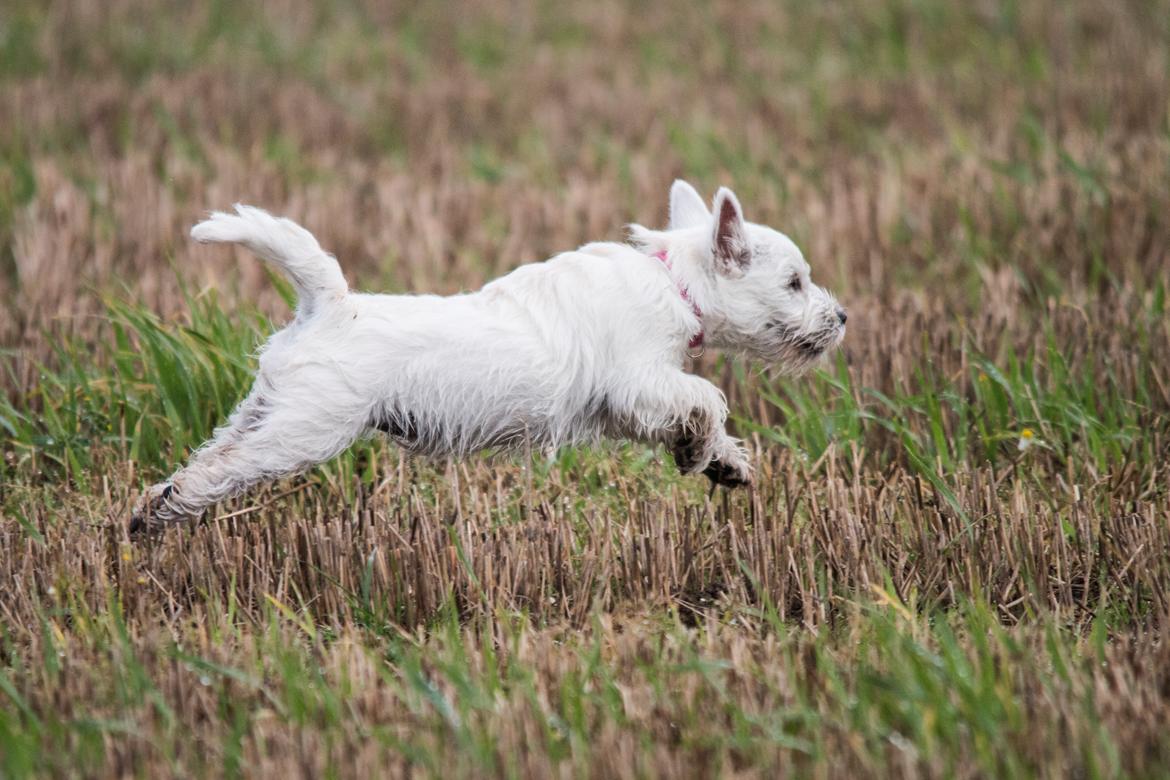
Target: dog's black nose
{"points": [[841, 315]]}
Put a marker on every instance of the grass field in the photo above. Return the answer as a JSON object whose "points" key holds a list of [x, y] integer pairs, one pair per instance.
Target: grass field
{"points": [[956, 560]]}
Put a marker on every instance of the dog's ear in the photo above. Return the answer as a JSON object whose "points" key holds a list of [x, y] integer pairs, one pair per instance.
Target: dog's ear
{"points": [[729, 245], [687, 209]]}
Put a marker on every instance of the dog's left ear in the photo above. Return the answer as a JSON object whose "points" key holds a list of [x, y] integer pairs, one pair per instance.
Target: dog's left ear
{"points": [[687, 209], [729, 246]]}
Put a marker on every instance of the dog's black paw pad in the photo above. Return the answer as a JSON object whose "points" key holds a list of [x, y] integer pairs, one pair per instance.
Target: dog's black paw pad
{"points": [[687, 453], [726, 475], [142, 524], [144, 518]]}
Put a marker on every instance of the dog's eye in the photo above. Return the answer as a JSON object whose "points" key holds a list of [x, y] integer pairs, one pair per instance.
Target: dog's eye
{"points": [[794, 283]]}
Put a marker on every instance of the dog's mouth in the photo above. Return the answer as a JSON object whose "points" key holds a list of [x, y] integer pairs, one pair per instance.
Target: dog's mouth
{"points": [[796, 351], [811, 348]]}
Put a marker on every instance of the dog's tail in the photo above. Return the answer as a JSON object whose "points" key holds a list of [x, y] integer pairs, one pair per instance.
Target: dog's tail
{"points": [[313, 272]]}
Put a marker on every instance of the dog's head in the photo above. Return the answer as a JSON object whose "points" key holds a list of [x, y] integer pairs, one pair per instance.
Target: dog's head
{"points": [[759, 298]]}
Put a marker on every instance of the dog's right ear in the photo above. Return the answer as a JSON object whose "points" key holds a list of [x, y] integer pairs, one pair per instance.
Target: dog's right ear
{"points": [[687, 209], [729, 242]]}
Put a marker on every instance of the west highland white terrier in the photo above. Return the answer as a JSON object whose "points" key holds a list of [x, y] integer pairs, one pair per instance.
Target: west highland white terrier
{"points": [[589, 344]]}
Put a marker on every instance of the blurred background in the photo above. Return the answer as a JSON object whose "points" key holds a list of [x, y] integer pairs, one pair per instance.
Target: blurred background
{"points": [[997, 151], [984, 184]]}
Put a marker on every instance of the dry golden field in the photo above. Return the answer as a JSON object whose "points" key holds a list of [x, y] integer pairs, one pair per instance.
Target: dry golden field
{"points": [[956, 558]]}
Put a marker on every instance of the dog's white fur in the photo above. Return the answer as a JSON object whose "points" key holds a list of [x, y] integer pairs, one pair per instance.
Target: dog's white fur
{"points": [[586, 345]]}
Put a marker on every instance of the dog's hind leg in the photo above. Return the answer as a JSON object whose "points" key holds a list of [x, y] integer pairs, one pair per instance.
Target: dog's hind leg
{"points": [[261, 443]]}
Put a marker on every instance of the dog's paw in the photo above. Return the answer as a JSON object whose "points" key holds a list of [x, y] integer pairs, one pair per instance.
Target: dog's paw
{"points": [[729, 473], [730, 466], [688, 454], [146, 515], [696, 442]]}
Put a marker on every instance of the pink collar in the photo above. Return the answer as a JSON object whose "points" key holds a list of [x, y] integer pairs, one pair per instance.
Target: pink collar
{"points": [[696, 341]]}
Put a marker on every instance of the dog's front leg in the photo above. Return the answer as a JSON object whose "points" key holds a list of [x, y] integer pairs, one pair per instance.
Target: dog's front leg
{"points": [[718, 456], [687, 414]]}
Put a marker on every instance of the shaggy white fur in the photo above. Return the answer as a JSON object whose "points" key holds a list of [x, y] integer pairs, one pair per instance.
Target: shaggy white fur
{"points": [[586, 345]]}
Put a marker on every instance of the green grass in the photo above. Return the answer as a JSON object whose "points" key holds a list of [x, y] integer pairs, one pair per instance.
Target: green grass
{"points": [[153, 389], [954, 560], [949, 688]]}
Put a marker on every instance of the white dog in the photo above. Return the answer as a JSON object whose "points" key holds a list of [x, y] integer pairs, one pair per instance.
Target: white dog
{"points": [[586, 345]]}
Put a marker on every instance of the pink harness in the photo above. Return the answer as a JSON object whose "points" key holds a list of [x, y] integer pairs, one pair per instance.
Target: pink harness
{"points": [[696, 341]]}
